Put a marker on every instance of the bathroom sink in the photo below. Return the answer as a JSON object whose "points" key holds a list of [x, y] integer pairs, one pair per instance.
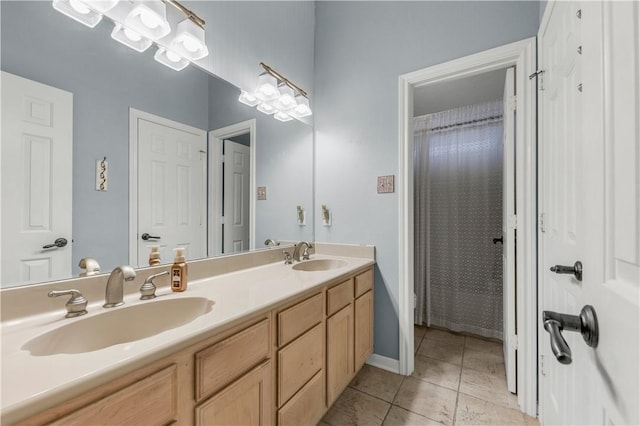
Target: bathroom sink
{"points": [[319, 265], [122, 325]]}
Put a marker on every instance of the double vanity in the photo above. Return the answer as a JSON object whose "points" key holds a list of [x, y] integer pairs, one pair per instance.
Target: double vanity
{"points": [[251, 341]]}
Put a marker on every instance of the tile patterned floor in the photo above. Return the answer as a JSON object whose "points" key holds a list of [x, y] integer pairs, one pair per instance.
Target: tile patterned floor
{"points": [[458, 380]]}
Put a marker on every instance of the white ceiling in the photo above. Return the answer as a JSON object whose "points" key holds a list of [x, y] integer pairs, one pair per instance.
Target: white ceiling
{"points": [[453, 94]]}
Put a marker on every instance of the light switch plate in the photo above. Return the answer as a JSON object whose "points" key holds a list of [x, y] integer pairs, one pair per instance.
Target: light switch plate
{"points": [[262, 193], [385, 184]]}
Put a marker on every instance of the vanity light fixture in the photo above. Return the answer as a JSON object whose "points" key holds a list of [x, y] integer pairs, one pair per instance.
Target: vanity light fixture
{"points": [[275, 94], [78, 11], [130, 38], [139, 24], [170, 59]]}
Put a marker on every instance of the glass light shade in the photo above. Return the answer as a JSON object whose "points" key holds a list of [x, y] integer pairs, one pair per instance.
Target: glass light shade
{"points": [[287, 100], [170, 59], [266, 108], [130, 38], [101, 5], [267, 90], [78, 11], [302, 108], [189, 41], [248, 99], [149, 19], [282, 116]]}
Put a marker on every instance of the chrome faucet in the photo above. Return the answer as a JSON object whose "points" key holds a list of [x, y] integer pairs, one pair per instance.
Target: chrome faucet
{"points": [[305, 253], [114, 293], [271, 243], [148, 289]]}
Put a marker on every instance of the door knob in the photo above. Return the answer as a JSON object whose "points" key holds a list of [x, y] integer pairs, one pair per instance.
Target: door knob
{"points": [[575, 270], [59, 242], [586, 323], [498, 240], [147, 237]]}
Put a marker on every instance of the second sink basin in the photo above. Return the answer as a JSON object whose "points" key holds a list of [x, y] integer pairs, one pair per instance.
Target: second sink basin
{"points": [[319, 265], [117, 326]]}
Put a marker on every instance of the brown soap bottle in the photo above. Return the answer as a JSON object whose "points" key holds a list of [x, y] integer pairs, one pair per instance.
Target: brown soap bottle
{"points": [[179, 271]]}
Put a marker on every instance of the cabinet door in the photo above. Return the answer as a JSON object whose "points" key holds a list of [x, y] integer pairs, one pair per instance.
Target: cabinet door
{"points": [[246, 402], [363, 328], [340, 366]]}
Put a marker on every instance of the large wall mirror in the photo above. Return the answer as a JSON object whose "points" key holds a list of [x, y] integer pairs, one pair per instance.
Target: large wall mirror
{"points": [[119, 95]]}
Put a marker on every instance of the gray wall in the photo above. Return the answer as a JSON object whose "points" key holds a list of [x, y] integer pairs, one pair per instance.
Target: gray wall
{"points": [[106, 78], [361, 49]]}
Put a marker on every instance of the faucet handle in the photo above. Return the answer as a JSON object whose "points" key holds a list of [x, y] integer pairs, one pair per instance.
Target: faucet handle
{"points": [[305, 252], [288, 260], [148, 289], [77, 304]]}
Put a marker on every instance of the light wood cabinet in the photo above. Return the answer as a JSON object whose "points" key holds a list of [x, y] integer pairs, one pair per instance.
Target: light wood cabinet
{"points": [[340, 366], [363, 328], [287, 365], [152, 400], [247, 401]]}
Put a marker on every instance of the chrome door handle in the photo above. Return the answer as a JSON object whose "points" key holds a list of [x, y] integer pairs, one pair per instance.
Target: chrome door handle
{"points": [[586, 323], [575, 270], [147, 237], [498, 240], [59, 242]]}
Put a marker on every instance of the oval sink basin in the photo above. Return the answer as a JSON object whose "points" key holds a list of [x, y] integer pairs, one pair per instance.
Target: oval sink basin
{"points": [[319, 265], [121, 325]]}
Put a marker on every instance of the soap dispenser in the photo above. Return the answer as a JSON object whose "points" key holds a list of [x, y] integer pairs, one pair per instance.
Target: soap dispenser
{"points": [[154, 256], [179, 271]]}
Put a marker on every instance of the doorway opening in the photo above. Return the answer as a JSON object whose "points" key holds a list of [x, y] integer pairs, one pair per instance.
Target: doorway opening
{"points": [[520, 55], [232, 172], [464, 191]]}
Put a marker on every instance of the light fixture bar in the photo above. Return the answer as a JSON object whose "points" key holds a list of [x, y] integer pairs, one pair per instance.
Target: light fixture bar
{"points": [[190, 14], [282, 78]]}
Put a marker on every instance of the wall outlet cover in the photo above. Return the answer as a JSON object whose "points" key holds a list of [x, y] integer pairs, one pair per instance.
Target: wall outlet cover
{"points": [[385, 184], [262, 193]]}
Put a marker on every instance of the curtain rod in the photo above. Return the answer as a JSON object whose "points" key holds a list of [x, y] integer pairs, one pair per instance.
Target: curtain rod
{"points": [[494, 117]]}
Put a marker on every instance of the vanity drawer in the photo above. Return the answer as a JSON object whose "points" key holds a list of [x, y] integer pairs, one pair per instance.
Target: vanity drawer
{"points": [[152, 400], [225, 361], [298, 362], [299, 318], [306, 407], [364, 282], [339, 296]]}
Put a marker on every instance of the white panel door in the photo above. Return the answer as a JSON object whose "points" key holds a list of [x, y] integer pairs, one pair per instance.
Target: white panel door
{"points": [[508, 230], [589, 191], [236, 197], [37, 153], [171, 189]]}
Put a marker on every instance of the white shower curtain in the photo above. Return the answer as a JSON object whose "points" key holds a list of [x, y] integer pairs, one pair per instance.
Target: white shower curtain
{"points": [[458, 211]]}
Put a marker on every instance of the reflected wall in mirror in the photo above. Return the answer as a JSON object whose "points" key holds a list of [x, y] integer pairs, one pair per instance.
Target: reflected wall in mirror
{"points": [[105, 80]]}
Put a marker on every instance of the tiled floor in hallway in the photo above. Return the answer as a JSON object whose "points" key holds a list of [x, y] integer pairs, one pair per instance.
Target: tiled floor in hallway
{"points": [[457, 380]]}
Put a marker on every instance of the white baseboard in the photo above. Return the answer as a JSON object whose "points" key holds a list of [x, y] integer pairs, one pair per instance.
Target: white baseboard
{"points": [[379, 361]]}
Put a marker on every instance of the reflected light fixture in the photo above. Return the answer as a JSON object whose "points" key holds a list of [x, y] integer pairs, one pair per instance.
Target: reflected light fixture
{"points": [[139, 24], [277, 95]]}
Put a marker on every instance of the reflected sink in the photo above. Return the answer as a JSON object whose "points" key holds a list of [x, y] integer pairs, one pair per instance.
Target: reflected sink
{"points": [[117, 326], [319, 265]]}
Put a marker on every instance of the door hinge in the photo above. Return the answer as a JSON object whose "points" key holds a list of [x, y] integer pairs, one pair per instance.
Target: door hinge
{"points": [[514, 342], [512, 221], [541, 222], [542, 372], [514, 102]]}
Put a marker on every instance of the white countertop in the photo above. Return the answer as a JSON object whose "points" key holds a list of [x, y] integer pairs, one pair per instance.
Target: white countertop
{"points": [[31, 384]]}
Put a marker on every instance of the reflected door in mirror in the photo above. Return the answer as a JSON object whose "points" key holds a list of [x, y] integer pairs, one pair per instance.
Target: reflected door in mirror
{"points": [[235, 197], [171, 189], [37, 144]]}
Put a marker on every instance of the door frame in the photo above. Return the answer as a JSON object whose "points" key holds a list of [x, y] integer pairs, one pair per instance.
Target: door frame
{"points": [[134, 116], [522, 55], [216, 138]]}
